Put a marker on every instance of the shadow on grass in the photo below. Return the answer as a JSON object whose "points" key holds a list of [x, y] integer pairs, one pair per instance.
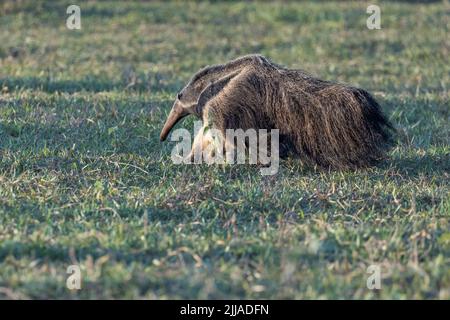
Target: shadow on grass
{"points": [[58, 252], [415, 166], [407, 166], [145, 82], [40, 146], [69, 86]]}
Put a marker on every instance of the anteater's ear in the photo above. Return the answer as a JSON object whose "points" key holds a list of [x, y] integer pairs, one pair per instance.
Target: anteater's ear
{"points": [[212, 90]]}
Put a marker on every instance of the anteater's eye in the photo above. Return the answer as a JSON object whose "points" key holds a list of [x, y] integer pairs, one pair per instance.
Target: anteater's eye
{"points": [[179, 95]]}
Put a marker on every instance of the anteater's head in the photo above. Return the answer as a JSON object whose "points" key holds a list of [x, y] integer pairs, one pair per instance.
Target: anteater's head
{"points": [[184, 105], [205, 85]]}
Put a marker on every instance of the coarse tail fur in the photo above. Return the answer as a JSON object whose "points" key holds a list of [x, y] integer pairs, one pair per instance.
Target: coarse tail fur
{"points": [[324, 123]]}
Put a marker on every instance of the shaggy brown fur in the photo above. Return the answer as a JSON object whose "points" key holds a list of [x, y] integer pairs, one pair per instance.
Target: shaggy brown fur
{"points": [[325, 123]]}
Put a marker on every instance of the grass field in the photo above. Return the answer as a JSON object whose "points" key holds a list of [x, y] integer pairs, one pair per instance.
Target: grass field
{"points": [[84, 179]]}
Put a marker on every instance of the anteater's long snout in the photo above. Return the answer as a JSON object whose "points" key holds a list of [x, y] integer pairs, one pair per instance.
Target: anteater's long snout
{"points": [[176, 114]]}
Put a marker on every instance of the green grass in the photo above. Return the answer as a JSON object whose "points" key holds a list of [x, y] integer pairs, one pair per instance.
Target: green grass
{"points": [[84, 179]]}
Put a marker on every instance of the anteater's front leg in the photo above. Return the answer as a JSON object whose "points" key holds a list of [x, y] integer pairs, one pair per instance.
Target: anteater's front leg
{"points": [[207, 145]]}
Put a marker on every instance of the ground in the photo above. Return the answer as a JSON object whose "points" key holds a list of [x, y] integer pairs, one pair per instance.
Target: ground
{"points": [[85, 181]]}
